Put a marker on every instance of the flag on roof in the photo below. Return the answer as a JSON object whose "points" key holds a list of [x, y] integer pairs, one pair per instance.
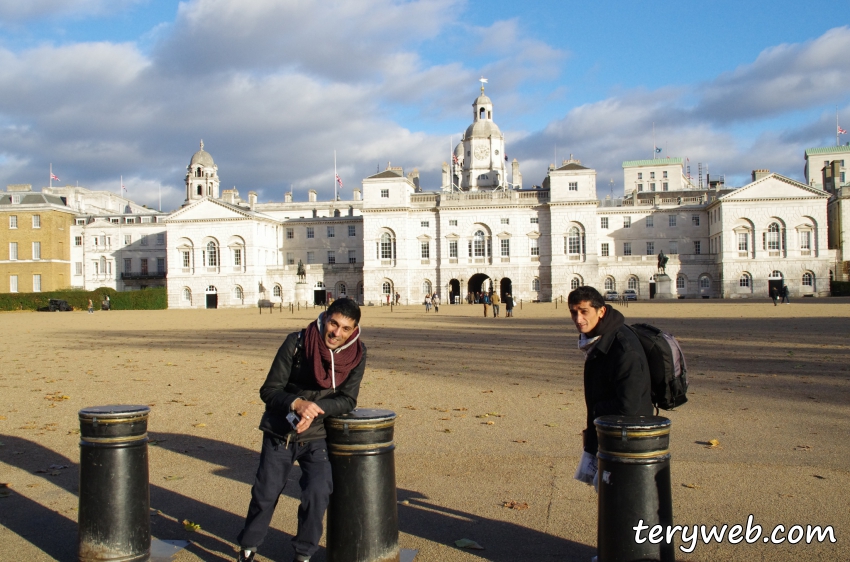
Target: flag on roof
{"points": [[53, 176], [841, 131], [339, 181], [454, 159]]}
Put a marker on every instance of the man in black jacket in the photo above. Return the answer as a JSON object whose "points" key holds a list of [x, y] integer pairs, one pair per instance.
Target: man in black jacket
{"points": [[616, 373], [315, 374]]}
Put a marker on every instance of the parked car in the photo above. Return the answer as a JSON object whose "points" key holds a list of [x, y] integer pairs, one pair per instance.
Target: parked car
{"points": [[630, 295], [612, 296], [56, 304]]}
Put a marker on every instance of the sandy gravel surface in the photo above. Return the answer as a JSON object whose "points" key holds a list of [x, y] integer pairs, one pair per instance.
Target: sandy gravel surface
{"points": [[772, 384]]}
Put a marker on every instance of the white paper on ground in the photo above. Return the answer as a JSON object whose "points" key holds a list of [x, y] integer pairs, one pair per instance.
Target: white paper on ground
{"points": [[587, 468]]}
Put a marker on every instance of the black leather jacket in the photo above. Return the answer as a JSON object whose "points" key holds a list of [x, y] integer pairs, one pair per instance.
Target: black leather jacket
{"points": [[284, 384]]}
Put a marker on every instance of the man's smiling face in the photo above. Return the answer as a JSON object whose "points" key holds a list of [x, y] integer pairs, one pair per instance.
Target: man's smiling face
{"points": [[585, 317], [338, 329]]}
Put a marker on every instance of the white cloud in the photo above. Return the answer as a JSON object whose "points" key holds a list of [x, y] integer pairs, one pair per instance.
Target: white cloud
{"points": [[23, 10]]}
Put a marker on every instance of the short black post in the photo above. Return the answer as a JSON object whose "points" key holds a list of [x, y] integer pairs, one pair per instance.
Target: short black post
{"points": [[634, 486], [363, 511], [114, 512]]}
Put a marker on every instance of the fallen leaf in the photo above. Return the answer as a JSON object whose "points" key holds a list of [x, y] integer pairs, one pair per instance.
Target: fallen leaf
{"points": [[519, 506], [410, 408], [489, 423], [2, 417], [460, 409], [242, 413], [520, 441], [467, 543], [447, 431], [819, 477], [803, 448], [713, 444], [199, 425], [445, 419], [170, 478], [57, 466], [550, 424], [692, 486], [485, 391], [190, 525]]}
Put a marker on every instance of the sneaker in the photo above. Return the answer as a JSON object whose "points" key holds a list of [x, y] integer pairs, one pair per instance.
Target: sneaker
{"points": [[301, 558], [246, 556]]}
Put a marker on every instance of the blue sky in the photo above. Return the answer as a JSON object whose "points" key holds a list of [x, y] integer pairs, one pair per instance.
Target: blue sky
{"points": [[104, 89]]}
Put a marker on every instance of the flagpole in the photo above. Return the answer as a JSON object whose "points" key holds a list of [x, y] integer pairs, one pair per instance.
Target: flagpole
{"points": [[836, 126], [334, 175], [51, 164]]}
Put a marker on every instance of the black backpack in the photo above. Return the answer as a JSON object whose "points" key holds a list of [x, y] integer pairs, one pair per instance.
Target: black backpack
{"points": [[667, 367]]}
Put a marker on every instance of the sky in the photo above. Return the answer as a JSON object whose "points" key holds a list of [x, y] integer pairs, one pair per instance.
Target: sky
{"points": [[111, 89]]}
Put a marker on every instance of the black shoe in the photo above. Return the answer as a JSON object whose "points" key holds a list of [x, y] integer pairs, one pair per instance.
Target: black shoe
{"points": [[245, 556]]}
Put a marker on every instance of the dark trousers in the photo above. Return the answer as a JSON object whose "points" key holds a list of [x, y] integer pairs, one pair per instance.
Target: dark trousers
{"points": [[316, 483]]}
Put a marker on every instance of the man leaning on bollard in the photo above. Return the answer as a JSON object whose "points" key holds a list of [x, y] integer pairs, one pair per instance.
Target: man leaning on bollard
{"points": [[315, 374], [616, 373]]}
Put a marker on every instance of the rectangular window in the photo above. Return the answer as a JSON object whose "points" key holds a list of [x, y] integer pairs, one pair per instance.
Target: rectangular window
{"points": [[452, 222], [640, 175], [505, 245], [36, 283], [311, 257], [652, 186], [695, 220], [453, 248], [603, 222], [671, 220], [805, 240], [627, 222], [674, 247], [13, 250], [627, 248], [160, 238], [128, 263], [425, 248], [290, 233], [78, 268], [424, 224], [144, 240], [36, 250], [385, 193], [310, 233], [640, 187], [605, 249], [331, 232], [78, 240], [13, 283], [116, 221], [237, 256], [290, 259], [573, 186], [352, 256], [144, 265], [743, 242], [664, 174], [696, 247], [650, 221], [352, 231], [505, 221], [128, 239], [535, 220], [652, 175], [36, 223], [680, 282], [160, 265], [13, 221], [665, 186], [331, 257], [650, 248], [535, 246]]}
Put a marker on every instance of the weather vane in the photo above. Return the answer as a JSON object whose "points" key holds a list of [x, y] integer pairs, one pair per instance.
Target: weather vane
{"points": [[483, 81]]}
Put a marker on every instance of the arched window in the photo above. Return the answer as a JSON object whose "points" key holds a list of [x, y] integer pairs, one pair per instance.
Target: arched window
{"points": [[680, 281], [276, 290], [574, 241], [705, 282], [237, 292], [478, 244], [102, 264], [633, 283], [198, 173], [609, 284], [575, 283], [386, 288], [745, 280], [426, 287], [386, 246], [187, 294], [200, 189], [776, 274], [340, 289], [773, 237], [212, 254], [320, 285], [481, 113], [808, 280], [535, 284]]}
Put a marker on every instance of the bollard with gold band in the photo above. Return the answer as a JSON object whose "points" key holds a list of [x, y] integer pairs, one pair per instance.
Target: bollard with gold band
{"points": [[114, 513], [363, 513], [634, 486]]}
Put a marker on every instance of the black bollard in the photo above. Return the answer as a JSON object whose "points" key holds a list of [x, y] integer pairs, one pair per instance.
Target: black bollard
{"points": [[634, 485], [114, 512], [363, 511]]}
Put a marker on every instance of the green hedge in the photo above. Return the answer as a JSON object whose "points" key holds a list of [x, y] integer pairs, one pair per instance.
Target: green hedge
{"points": [[839, 288], [147, 299]]}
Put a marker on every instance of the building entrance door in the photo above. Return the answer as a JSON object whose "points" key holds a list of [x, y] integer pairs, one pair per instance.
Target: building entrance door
{"points": [[320, 297], [212, 300], [652, 289], [454, 291], [505, 287], [774, 284]]}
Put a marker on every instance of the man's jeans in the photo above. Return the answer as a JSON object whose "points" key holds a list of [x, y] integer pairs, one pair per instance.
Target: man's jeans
{"points": [[495, 310]]}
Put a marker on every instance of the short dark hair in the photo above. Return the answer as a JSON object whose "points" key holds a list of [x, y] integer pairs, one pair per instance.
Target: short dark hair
{"points": [[346, 307], [586, 293]]}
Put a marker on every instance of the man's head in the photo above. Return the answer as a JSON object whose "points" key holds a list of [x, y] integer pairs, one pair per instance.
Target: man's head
{"points": [[587, 308], [340, 320]]}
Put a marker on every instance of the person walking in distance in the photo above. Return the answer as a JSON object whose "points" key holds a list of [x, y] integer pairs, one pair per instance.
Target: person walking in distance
{"points": [[509, 305], [786, 296], [427, 303], [774, 294], [91, 307], [496, 300], [316, 373], [485, 300]]}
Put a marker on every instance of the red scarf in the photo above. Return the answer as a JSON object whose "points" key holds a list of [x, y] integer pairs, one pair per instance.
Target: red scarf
{"points": [[317, 354]]}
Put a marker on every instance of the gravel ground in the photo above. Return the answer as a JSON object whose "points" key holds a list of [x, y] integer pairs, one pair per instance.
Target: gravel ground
{"points": [[771, 384]]}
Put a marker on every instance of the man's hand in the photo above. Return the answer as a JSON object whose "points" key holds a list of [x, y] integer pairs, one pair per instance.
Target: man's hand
{"points": [[307, 411]]}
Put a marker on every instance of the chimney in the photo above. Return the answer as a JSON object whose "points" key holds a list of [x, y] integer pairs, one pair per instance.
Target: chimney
{"points": [[758, 174], [252, 199], [414, 178], [287, 197], [18, 187], [312, 196], [357, 195]]}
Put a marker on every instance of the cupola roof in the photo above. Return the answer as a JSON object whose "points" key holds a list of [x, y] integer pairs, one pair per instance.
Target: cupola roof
{"points": [[202, 158]]}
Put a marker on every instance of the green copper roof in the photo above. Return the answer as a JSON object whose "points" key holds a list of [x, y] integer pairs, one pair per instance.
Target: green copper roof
{"points": [[827, 150], [655, 162]]}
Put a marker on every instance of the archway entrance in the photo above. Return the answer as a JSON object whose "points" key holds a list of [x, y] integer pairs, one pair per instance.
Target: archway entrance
{"points": [[454, 291], [479, 283], [505, 287], [652, 287], [775, 281], [212, 297]]}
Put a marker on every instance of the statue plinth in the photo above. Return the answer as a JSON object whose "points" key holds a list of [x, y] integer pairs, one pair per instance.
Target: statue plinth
{"points": [[302, 292], [664, 287]]}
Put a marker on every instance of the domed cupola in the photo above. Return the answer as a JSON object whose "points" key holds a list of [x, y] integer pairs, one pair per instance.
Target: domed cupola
{"points": [[483, 148], [201, 176]]}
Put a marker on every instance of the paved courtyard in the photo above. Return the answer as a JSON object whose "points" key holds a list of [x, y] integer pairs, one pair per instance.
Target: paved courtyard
{"points": [[771, 384]]}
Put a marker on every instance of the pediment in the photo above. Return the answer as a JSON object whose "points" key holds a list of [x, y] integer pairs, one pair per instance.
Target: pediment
{"points": [[773, 186], [210, 209]]}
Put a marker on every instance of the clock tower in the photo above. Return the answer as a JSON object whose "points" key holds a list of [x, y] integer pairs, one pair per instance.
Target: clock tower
{"points": [[482, 156]]}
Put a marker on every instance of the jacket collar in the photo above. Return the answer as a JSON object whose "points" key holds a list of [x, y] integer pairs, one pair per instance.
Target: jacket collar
{"points": [[608, 328]]}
